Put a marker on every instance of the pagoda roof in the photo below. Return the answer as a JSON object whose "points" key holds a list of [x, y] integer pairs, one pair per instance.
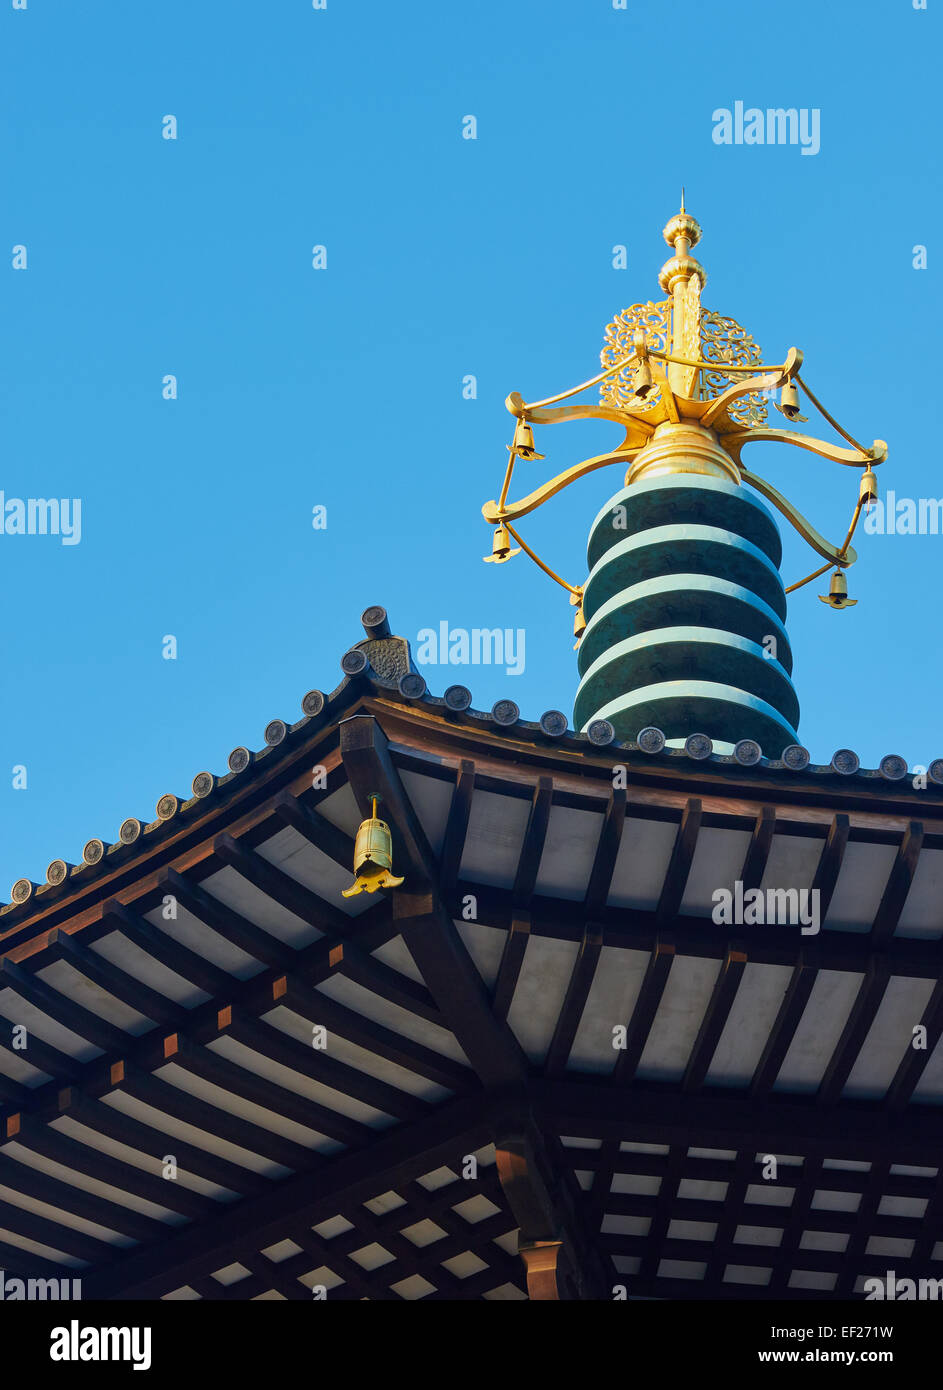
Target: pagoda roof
{"points": [[171, 992]]}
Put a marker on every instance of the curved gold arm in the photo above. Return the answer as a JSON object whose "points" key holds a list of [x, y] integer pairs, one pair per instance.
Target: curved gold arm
{"points": [[851, 458], [493, 513], [773, 378], [843, 556], [579, 412], [546, 568]]}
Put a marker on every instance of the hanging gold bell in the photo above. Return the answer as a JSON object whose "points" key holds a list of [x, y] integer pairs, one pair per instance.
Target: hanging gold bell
{"points": [[523, 444], [373, 857], [837, 596], [789, 402], [642, 383], [501, 547], [868, 490], [579, 621]]}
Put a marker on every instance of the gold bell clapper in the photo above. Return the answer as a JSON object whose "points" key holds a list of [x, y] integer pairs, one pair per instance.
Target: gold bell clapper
{"points": [[523, 444], [837, 596], [373, 857], [789, 402], [501, 550]]}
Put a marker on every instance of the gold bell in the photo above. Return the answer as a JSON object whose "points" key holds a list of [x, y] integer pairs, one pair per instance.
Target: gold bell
{"points": [[837, 596], [868, 490], [373, 857], [501, 550], [642, 383], [579, 621], [523, 444], [789, 402]]}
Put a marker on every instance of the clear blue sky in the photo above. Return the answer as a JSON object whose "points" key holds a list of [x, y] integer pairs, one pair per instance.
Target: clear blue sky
{"points": [[343, 387]]}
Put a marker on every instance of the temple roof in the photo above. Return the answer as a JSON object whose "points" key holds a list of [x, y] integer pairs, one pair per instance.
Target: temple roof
{"points": [[469, 1099]]}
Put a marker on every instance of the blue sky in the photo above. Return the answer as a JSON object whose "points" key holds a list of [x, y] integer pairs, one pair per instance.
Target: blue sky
{"points": [[342, 387]]}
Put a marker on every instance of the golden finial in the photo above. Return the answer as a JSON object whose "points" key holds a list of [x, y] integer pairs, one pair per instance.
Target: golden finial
{"points": [[690, 389]]}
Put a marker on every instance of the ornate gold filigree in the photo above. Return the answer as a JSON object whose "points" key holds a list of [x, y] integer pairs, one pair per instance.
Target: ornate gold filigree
{"points": [[724, 341], [655, 321]]}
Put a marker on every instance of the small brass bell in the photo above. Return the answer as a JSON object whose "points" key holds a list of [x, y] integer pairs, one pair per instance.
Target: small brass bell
{"points": [[837, 596], [501, 550], [373, 857], [642, 383], [868, 490], [789, 402], [579, 621], [523, 444]]}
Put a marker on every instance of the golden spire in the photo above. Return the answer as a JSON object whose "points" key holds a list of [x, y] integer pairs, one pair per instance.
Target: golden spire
{"points": [[690, 390]]}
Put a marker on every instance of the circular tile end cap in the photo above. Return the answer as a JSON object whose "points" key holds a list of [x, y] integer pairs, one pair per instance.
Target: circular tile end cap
{"points": [[239, 759], [845, 762], [505, 712], [276, 731], [893, 767], [554, 723], [601, 732], [412, 686], [457, 698], [698, 746], [354, 662], [747, 752], [130, 830], [795, 757], [57, 871], [22, 890], [650, 739], [312, 703]]}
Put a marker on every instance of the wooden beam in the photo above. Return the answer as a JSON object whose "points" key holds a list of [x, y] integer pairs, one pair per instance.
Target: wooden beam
{"points": [[679, 865], [779, 1041], [271, 1042], [643, 1015], [287, 891], [898, 885], [459, 1126], [912, 1064], [512, 960], [607, 852], [427, 928], [319, 1008], [100, 971], [830, 862], [235, 929], [571, 1011], [59, 1008], [715, 1018], [754, 865], [535, 837], [456, 828], [315, 828], [859, 1022]]}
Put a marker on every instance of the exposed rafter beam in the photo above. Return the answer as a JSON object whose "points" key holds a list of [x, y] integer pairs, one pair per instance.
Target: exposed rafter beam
{"points": [[427, 928]]}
